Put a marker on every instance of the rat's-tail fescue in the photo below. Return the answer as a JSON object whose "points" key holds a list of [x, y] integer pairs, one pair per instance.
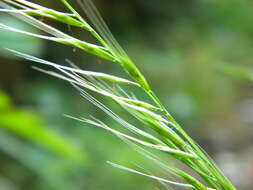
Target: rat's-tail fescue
{"points": [[166, 135]]}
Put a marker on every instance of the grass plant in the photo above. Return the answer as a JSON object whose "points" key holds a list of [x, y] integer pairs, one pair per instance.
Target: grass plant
{"points": [[163, 134]]}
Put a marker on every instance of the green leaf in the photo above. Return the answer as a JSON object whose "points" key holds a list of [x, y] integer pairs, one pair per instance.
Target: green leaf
{"points": [[236, 71], [29, 126], [5, 101]]}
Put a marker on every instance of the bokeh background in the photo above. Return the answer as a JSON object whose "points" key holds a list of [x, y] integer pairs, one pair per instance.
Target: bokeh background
{"points": [[197, 55]]}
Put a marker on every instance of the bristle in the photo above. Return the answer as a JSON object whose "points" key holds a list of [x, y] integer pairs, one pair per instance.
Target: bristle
{"points": [[152, 177], [96, 19]]}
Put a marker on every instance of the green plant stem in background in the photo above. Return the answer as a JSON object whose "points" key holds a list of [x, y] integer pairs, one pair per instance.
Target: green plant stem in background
{"points": [[171, 138]]}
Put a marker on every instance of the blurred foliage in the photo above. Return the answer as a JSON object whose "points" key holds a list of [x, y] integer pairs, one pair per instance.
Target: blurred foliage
{"points": [[19, 42], [28, 125], [236, 71], [192, 52]]}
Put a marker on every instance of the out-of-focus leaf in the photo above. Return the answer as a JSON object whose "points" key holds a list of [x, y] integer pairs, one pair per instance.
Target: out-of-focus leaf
{"points": [[51, 171], [5, 101], [7, 184], [30, 45], [28, 125], [236, 71]]}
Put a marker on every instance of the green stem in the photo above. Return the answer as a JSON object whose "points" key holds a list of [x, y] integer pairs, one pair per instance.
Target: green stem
{"points": [[86, 26], [225, 184]]}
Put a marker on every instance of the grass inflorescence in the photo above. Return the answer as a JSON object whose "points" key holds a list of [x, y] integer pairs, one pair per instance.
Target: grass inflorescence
{"points": [[168, 137]]}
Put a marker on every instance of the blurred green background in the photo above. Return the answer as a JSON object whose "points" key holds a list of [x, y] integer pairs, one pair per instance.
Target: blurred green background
{"points": [[197, 55]]}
